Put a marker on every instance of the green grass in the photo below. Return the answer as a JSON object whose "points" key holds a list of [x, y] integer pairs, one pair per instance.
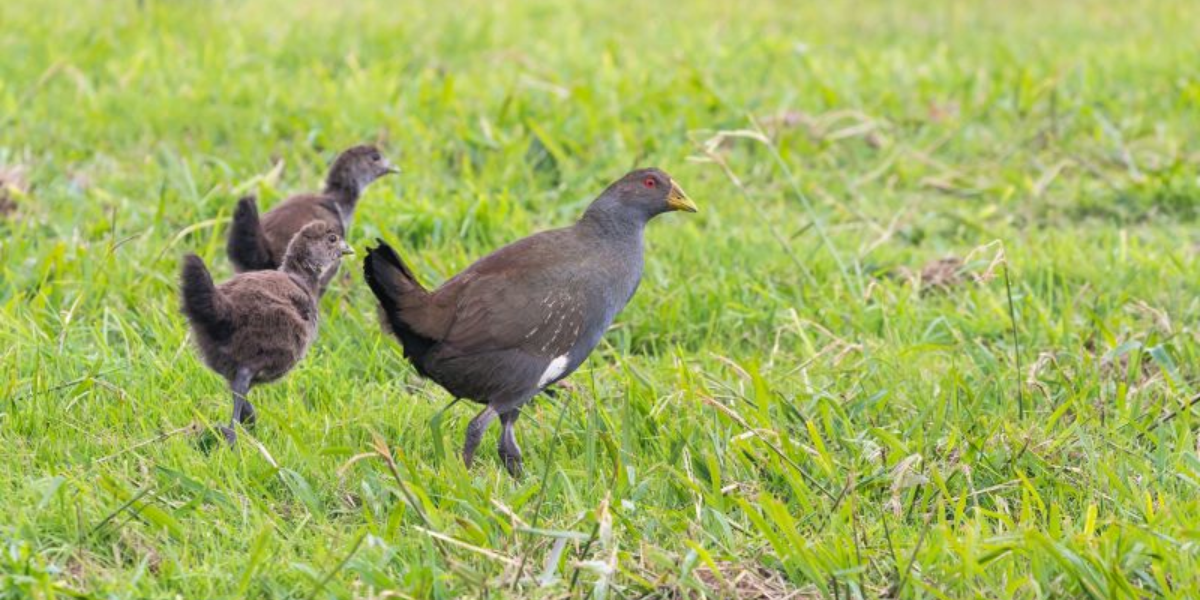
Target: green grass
{"points": [[777, 397]]}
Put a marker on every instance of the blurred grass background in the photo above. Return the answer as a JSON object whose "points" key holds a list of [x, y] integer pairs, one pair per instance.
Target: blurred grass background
{"points": [[800, 397]]}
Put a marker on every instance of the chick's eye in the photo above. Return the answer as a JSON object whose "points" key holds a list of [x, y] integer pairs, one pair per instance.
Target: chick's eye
{"points": [[376, 157], [332, 239], [649, 182]]}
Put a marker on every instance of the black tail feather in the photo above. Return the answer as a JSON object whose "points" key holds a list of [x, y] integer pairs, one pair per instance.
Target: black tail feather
{"points": [[387, 253], [203, 305], [247, 242], [397, 289]]}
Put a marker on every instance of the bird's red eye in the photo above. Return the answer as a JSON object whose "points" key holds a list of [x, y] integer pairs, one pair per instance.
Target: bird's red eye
{"points": [[649, 182]]}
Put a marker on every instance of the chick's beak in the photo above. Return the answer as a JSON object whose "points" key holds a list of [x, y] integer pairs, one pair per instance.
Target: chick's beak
{"points": [[389, 168], [346, 249], [678, 200]]}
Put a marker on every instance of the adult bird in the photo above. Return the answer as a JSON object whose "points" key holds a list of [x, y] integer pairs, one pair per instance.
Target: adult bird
{"points": [[255, 327], [528, 314], [256, 244]]}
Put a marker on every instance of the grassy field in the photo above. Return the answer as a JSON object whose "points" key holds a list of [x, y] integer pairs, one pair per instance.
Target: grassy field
{"points": [[932, 334]]}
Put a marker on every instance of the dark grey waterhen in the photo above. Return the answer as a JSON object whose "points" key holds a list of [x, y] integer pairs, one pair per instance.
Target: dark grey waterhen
{"points": [[255, 327], [256, 244], [528, 314]]}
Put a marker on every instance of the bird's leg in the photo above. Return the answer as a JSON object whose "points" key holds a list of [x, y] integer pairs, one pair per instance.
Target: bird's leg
{"points": [[475, 433], [509, 451], [243, 412]]}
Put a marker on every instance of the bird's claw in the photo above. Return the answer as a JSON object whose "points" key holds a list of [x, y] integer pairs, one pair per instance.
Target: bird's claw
{"points": [[230, 435], [515, 467]]}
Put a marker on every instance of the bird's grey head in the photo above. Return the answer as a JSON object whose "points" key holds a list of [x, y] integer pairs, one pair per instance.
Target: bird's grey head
{"points": [[315, 249], [639, 196], [356, 168]]}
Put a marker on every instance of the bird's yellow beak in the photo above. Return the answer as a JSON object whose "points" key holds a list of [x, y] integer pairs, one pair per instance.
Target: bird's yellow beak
{"points": [[678, 200], [346, 249]]}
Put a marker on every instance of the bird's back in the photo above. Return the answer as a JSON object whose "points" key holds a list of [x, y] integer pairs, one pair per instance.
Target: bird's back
{"points": [[282, 222]]}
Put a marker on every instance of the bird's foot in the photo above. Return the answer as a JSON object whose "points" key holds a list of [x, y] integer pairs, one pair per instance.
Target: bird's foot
{"points": [[229, 433], [515, 466], [248, 417]]}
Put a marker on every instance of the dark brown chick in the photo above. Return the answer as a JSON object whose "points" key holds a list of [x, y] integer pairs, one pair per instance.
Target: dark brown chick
{"points": [[255, 327], [256, 244]]}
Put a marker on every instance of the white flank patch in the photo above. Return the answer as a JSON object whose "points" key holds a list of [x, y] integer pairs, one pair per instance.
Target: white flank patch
{"points": [[556, 368]]}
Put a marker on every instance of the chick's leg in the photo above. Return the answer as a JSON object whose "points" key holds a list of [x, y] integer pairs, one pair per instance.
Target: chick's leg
{"points": [[243, 411]]}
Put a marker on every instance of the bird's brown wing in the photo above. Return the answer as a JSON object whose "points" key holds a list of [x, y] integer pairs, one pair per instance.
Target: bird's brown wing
{"points": [[526, 296], [518, 315], [541, 315], [511, 337]]}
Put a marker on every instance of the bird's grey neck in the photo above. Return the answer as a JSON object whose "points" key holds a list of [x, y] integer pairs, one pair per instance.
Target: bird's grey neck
{"points": [[344, 193], [613, 224]]}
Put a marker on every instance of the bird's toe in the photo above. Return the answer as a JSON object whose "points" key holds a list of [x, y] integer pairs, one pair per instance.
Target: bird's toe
{"points": [[248, 417], [230, 435], [515, 466]]}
